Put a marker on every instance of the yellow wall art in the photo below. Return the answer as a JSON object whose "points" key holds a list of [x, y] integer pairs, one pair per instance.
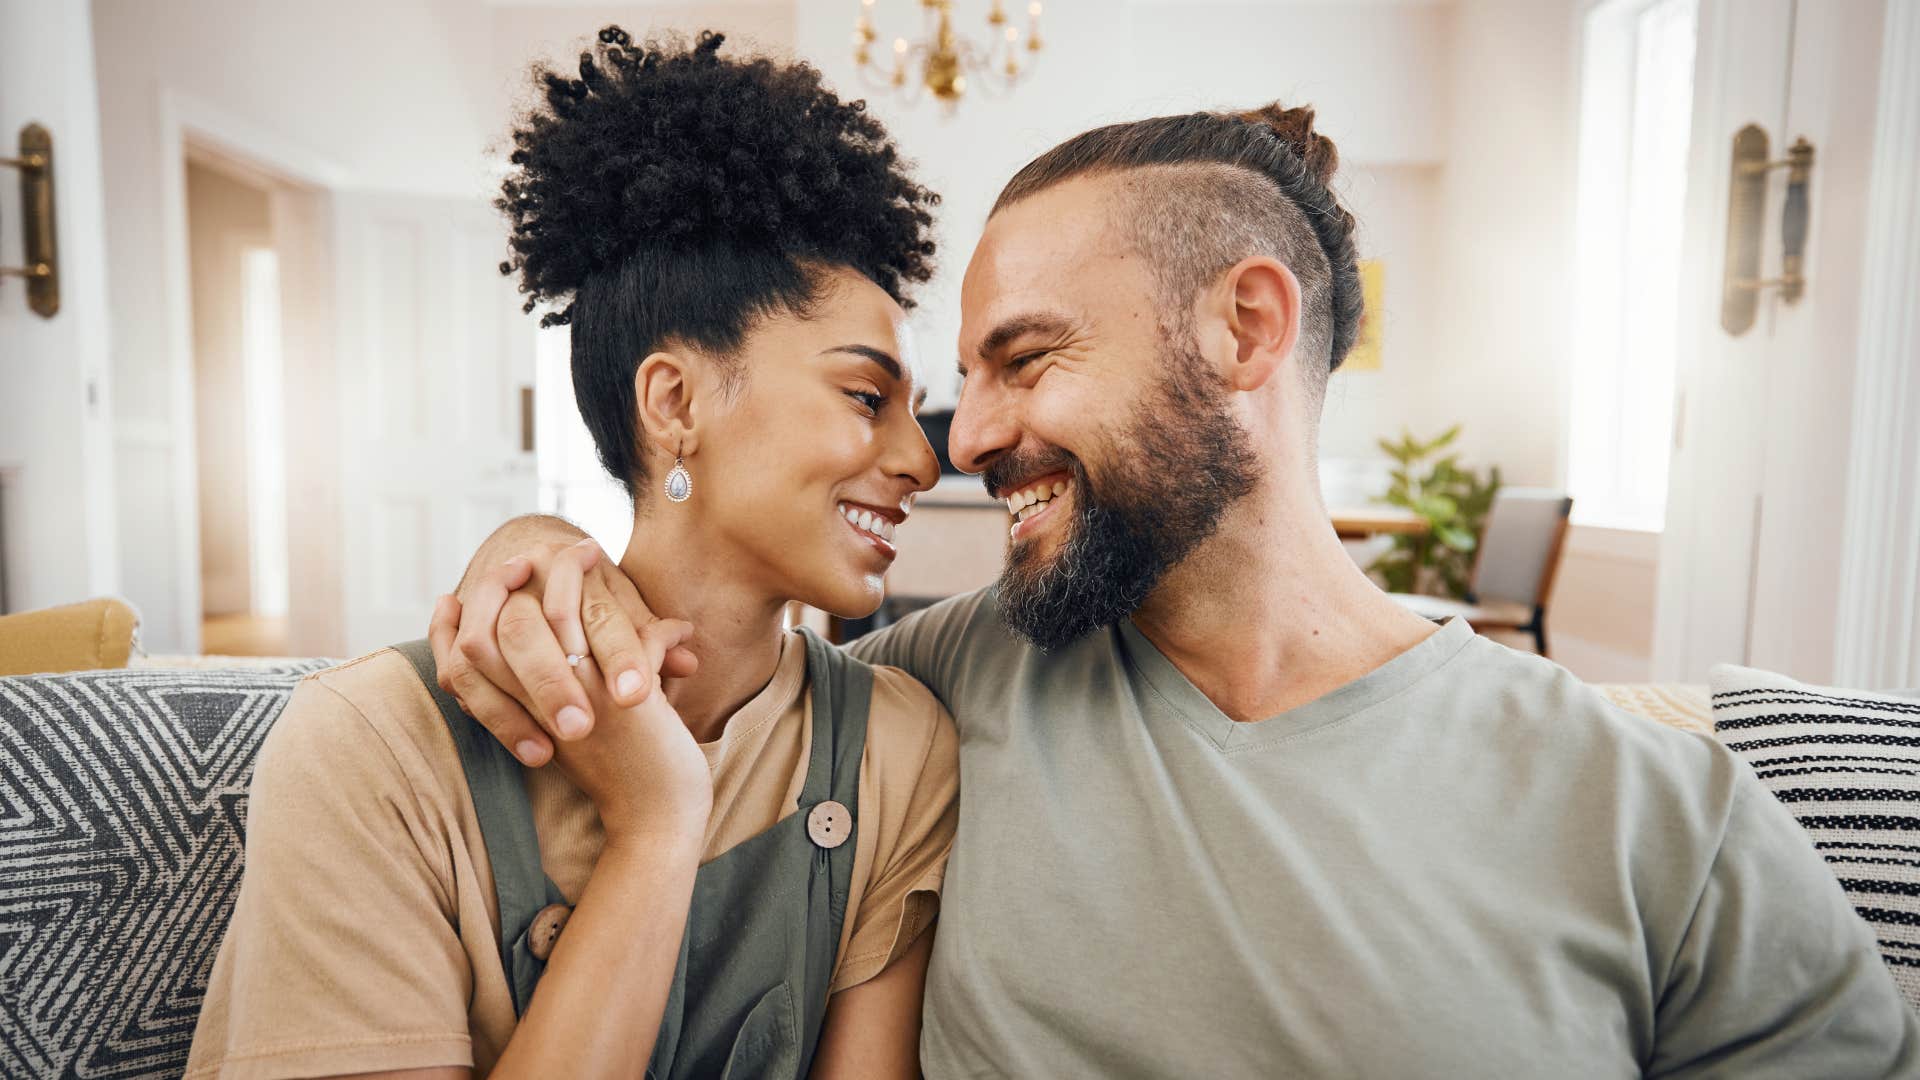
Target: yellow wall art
{"points": [[1365, 355]]}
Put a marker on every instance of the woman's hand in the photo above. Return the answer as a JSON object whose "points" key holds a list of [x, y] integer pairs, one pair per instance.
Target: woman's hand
{"points": [[639, 764], [513, 676]]}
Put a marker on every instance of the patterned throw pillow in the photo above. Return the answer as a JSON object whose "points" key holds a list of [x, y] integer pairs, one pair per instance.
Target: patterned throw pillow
{"points": [[1847, 764], [122, 807]]}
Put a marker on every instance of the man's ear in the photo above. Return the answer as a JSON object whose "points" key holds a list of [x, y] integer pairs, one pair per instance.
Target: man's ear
{"points": [[664, 392], [1262, 305]]}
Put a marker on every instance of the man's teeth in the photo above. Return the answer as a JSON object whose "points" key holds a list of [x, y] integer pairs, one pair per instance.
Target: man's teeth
{"points": [[867, 521], [1024, 504]]}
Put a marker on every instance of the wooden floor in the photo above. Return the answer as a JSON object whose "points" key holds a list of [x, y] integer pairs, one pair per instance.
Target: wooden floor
{"points": [[244, 635]]}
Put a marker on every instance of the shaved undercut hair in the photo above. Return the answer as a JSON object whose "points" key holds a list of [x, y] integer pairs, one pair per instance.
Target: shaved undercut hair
{"points": [[1200, 192]]}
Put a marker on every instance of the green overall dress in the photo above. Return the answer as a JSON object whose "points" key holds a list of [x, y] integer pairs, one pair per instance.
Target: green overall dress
{"points": [[749, 993]]}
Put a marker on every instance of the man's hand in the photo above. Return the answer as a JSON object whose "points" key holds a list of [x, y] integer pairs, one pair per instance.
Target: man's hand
{"points": [[647, 777], [507, 664]]}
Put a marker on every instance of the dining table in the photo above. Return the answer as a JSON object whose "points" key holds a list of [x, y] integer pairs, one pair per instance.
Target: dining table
{"points": [[1361, 522]]}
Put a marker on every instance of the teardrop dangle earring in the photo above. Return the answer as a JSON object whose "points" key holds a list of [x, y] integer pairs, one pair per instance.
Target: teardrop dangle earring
{"points": [[679, 481]]}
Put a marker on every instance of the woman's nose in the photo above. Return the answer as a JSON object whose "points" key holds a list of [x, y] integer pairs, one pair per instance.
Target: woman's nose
{"points": [[906, 453], [920, 464]]}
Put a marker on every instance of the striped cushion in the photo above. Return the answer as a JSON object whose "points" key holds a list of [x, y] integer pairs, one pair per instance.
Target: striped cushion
{"points": [[1847, 764]]}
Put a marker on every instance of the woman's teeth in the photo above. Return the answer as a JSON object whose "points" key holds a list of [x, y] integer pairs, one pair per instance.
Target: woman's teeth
{"points": [[1027, 502], [867, 521]]}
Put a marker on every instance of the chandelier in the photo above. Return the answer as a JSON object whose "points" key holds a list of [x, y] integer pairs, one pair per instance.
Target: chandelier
{"points": [[943, 59]]}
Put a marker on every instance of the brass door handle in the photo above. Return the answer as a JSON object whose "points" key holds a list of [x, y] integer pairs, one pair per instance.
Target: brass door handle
{"points": [[1746, 201], [42, 271]]}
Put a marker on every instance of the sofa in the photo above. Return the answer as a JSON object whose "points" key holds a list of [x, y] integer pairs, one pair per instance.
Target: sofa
{"points": [[122, 812]]}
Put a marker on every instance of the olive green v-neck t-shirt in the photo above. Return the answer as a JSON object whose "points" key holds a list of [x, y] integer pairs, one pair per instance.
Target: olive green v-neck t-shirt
{"points": [[1465, 863]]}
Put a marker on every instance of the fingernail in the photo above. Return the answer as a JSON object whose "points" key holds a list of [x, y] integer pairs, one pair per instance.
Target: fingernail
{"points": [[531, 753], [629, 684], [572, 722]]}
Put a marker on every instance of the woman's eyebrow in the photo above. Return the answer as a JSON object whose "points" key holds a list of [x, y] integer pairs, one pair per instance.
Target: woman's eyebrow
{"points": [[885, 360]]}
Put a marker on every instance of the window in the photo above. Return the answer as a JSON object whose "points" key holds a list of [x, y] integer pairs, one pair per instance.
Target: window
{"points": [[1635, 113], [572, 483]]}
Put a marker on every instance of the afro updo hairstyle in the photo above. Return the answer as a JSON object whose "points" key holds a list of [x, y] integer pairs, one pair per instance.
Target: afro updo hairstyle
{"points": [[670, 196]]}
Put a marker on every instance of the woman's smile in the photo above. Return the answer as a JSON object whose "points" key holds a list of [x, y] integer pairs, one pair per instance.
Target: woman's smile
{"points": [[873, 526]]}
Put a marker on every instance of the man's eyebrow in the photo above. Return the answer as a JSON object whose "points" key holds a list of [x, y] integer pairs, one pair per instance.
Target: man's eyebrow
{"points": [[1035, 322], [885, 360]]}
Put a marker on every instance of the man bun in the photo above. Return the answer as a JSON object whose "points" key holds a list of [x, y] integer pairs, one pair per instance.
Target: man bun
{"points": [[1294, 127]]}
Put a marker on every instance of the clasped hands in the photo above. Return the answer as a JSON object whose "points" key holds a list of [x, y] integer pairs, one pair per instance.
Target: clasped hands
{"points": [[502, 649]]}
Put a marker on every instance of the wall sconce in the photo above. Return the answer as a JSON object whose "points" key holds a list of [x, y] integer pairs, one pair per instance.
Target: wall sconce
{"points": [[42, 270]]}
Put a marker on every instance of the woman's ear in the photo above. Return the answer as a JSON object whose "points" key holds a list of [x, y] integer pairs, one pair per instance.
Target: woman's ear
{"points": [[664, 392]]}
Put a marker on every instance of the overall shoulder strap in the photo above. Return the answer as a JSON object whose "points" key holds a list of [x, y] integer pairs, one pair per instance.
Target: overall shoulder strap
{"points": [[842, 689], [521, 887]]}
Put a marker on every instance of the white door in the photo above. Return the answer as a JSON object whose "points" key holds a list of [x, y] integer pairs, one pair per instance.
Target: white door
{"points": [[436, 382], [1750, 558], [57, 538]]}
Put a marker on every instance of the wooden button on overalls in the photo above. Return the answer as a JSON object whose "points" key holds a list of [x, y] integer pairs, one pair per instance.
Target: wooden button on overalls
{"points": [[546, 929], [829, 825]]}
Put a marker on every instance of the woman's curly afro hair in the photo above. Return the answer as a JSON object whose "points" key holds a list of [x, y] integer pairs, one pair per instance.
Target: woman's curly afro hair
{"points": [[670, 195]]}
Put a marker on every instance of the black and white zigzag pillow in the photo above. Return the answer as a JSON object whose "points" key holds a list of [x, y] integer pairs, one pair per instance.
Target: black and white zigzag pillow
{"points": [[1847, 764], [122, 809]]}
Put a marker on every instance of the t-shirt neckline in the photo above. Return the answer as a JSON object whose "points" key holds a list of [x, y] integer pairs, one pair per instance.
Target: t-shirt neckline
{"points": [[774, 699], [1227, 734]]}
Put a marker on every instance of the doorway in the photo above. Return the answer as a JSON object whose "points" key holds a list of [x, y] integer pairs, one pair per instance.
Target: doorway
{"points": [[240, 432]]}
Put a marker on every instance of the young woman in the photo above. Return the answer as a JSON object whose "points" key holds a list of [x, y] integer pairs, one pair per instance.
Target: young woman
{"points": [[735, 876]]}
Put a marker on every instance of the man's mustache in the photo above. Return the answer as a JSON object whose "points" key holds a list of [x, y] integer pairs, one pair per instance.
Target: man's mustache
{"points": [[1019, 465]]}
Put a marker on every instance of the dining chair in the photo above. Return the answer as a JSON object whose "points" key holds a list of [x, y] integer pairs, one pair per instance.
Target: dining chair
{"points": [[1513, 572]]}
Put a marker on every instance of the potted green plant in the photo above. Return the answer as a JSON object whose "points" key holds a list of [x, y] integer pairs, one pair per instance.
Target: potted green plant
{"points": [[1453, 500]]}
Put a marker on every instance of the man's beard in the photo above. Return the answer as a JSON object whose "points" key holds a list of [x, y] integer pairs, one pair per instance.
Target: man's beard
{"points": [[1165, 485]]}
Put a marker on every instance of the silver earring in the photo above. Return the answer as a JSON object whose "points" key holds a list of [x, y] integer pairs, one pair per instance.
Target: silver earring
{"points": [[679, 481]]}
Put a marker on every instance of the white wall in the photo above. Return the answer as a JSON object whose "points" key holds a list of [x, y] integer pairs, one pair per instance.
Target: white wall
{"points": [[1398, 208], [556, 32], [54, 386], [1506, 233]]}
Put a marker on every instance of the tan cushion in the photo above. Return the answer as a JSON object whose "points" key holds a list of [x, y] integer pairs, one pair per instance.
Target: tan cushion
{"points": [[72, 637], [1489, 616], [1679, 705]]}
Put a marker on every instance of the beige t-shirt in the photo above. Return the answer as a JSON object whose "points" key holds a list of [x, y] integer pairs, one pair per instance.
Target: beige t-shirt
{"points": [[364, 934]]}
